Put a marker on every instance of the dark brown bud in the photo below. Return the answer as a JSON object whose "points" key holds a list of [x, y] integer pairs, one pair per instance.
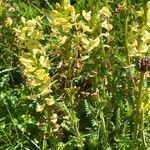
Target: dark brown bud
{"points": [[143, 64]]}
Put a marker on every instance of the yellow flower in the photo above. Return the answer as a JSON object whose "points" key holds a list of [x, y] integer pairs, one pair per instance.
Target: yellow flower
{"points": [[82, 26], [92, 44], [44, 61], [30, 68], [39, 107], [45, 90], [87, 16], [143, 48], [25, 61], [11, 9], [38, 19], [145, 36], [42, 75], [105, 11], [54, 118], [1, 7], [23, 20], [49, 101], [106, 25], [33, 82], [8, 22]]}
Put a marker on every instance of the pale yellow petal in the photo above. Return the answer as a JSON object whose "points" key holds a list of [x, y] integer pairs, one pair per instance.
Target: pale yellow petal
{"points": [[39, 107], [87, 16], [49, 101]]}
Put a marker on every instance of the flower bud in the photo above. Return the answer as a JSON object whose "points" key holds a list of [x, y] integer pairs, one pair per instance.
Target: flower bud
{"points": [[143, 64]]}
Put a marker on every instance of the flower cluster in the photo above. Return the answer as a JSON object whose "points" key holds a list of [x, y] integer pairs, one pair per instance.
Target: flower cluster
{"points": [[1, 7], [139, 35], [76, 34], [35, 61], [143, 64]]}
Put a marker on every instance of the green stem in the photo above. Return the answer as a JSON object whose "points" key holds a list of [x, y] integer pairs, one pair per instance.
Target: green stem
{"points": [[11, 118], [44, 144], [8, 70], [103, 126], [138, 120], [125, 39], [139, 116], [74, 119], [145, 7], [142, 125], [5, 134], [140, 109]]}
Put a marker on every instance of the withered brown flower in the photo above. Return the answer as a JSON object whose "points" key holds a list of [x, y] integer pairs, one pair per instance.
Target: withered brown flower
{"points": [[143, 64]]}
